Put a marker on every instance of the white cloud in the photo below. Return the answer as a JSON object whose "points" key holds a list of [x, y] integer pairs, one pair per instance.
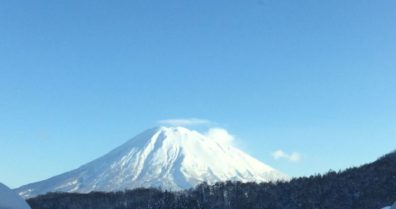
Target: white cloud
{"points": [[278, 154], [184, 122], [292, 157], [220, 135]]}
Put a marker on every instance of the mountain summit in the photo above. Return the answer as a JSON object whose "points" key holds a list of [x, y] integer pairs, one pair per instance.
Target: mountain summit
{"points": [[171, 158]]}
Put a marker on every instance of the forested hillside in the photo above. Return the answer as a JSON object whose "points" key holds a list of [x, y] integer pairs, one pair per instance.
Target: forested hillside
{"points": [[370, 186]]}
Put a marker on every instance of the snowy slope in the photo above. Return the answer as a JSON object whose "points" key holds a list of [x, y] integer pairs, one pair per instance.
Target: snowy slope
{"points": [[171, 158], [391, 207], [10, 200]]}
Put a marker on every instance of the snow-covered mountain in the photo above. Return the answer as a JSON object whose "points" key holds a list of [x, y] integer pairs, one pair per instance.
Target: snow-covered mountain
{"points": [[171, 158], [10, 200]]}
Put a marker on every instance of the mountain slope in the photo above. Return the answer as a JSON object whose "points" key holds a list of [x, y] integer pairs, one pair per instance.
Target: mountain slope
{"points": [[10, 200], [371, 186], [171, 158]]}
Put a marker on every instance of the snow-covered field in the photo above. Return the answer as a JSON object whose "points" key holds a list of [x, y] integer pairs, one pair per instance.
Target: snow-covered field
{"points": [[390, 207]]}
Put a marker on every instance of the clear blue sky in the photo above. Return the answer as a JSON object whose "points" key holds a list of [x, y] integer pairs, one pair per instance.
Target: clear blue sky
{"points": [[78, 78]]}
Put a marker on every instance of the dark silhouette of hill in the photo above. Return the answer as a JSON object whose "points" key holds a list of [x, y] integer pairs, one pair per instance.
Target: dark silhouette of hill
{"points": [[371, 186]]}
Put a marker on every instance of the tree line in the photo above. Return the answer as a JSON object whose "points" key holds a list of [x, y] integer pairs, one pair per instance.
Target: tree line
{"points": [[370, 186]]}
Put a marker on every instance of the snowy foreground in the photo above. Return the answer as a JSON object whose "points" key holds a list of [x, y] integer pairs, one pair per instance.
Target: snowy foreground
{"points": [[390, 207], [10, 200], [171, 158]]}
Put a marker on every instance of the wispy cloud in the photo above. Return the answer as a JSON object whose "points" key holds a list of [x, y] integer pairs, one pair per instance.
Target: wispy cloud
{"points": [[220, 135], [292, 157], [185, 122]]}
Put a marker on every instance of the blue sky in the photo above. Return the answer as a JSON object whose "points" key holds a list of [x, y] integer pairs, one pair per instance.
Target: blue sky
{"points": [[78, 78]]}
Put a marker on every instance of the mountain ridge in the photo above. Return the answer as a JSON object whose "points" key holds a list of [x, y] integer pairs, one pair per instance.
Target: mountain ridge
{"points": [[172, 158], [368, 186]]}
